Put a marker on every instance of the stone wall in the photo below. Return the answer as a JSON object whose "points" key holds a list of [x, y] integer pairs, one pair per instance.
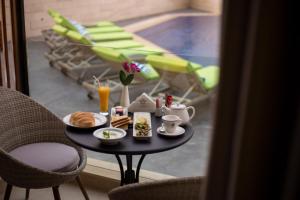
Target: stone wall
{"points": [[214, 6], [88, 11]]}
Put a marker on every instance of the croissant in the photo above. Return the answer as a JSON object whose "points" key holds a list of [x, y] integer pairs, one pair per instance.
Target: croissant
{"points": [[83, 119]]}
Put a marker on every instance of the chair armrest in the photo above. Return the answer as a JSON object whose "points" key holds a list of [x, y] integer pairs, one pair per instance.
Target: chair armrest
{"points": [[175, 189]]}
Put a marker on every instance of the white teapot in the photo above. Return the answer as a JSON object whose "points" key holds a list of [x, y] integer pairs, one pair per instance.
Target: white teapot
{"points": [[181, 111]]}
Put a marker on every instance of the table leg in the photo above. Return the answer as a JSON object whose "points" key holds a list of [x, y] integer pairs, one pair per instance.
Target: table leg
{"points": [[121, 168], [138, 168], [129, 176], [129, 173]]}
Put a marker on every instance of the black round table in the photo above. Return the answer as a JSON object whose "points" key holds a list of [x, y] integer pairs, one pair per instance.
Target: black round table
{"points": [[129, 146]]}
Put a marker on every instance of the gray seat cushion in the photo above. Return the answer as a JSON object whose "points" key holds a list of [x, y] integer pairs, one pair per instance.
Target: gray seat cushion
{"points": [[53, 157]]}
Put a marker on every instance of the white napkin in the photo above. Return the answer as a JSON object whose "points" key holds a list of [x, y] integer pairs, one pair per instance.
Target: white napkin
{"points": [[143, 103]]}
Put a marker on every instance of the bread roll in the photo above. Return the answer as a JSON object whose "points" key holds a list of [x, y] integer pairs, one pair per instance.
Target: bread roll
{"points": [[83, 119]]}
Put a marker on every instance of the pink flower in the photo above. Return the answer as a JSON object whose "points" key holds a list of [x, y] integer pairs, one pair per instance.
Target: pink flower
{"points": [[138, 66], [126, 67], [133, 67]]}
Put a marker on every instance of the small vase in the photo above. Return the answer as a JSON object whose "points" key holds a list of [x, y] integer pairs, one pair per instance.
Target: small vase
{"points": [[125, 101]]}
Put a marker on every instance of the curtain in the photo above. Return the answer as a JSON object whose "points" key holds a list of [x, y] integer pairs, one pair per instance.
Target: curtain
{"points": [[254, 124]]}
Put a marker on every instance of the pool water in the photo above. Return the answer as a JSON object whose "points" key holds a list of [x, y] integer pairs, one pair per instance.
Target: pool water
{"points": [[195, 38]]}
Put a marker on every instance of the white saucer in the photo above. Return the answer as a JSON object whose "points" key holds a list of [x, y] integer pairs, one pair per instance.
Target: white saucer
{"points": [[179, 131]]}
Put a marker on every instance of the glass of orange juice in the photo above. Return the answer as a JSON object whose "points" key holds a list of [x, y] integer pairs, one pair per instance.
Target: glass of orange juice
{"points": [[103, 91]]}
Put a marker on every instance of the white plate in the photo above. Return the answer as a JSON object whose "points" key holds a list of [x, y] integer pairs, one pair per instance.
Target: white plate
{"points": [[116, 135], [179, 131], [146, 115], [99, 120]]}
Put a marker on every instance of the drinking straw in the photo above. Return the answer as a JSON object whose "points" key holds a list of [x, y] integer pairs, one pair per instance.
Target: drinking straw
{"points": [[97, 80]]}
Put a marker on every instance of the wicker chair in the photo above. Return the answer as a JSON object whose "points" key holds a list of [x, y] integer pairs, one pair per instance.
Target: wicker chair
{"points": [[24, 122], [175, 189]]}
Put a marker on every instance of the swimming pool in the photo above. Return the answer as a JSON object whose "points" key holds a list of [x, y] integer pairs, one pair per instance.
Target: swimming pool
{"points": [[195, 38]]}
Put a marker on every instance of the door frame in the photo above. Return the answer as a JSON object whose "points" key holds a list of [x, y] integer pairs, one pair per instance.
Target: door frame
{"points": [[17, 57]]}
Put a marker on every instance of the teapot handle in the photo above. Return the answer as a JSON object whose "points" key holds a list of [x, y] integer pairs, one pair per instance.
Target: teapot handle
{"points": [[193, 111]]}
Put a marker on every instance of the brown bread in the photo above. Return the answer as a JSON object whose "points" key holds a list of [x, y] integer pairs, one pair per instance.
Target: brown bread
{"points": [[83, 119]]}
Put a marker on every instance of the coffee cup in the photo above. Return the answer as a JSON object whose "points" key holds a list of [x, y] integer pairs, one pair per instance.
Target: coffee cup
{"points": [[170, 123]]}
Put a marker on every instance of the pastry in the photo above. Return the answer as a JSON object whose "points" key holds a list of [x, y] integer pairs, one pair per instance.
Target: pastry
{"points": [[120, 121], [82, 119]]}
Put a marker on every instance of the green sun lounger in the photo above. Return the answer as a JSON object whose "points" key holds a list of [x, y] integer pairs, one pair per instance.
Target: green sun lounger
{"points": [[110, 27], [104, 29], [64, 22], [125, 55], [91, 30], [54, 34], [207, 76], [119, 56], [97, 34], [118, 44], [148, 72], [56, 37], [171, 64], [94, 31], [53, 13], [60, 48], [100, 27], [60, 29], [144, 51], [110, 36], [86, 44], [116, 57]]}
